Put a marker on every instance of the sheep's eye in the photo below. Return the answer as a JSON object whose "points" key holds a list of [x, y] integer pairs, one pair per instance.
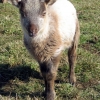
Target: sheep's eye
{"points": [[19, 3], [21, 9], [23, 14]]}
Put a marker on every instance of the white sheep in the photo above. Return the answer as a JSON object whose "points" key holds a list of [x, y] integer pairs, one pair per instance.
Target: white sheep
{"points": [[50, 27]]}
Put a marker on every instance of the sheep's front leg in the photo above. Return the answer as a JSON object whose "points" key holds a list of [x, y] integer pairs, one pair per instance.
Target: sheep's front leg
{"points": [[49, 74], [72, 59], [49, 71]]}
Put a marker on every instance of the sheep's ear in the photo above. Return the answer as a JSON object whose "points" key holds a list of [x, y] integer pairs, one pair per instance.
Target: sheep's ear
{"points": [[49, 2], [15, 2]]}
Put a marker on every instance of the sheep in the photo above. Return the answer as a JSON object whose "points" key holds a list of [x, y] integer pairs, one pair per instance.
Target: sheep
{"points": [[3, 1], [50, 27]]}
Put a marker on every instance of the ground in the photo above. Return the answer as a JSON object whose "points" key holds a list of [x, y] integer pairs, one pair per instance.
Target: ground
{"points": [[19, 73]]}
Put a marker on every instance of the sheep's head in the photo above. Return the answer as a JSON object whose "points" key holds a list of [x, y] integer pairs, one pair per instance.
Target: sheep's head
{"points": [[33, 14]]}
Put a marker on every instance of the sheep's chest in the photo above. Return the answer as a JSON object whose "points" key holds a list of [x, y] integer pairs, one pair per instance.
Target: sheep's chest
{"points": [[42, 51]]}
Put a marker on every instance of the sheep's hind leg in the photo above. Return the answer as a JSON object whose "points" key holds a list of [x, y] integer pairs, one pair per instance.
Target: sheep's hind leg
{"points": [[72, 59], [72, 54]]}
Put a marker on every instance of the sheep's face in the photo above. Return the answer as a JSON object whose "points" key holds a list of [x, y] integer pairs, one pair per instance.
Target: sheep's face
{"points": [[33, 15]]}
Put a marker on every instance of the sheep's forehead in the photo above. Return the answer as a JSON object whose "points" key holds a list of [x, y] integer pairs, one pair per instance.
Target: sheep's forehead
{"points": [[32, 5]]}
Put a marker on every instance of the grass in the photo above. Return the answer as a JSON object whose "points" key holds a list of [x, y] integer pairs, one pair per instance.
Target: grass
{"points": [[19, 73]]}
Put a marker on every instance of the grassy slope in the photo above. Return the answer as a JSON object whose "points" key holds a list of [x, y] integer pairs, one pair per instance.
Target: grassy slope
{"points": [[19, 73]]}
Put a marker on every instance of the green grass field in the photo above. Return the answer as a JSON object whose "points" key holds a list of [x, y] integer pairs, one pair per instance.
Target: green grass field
{"points": [[19, 73]]}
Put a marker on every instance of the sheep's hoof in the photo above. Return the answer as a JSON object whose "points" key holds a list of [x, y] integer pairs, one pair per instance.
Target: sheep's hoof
{"points": [[72, 81], [50, 96]]}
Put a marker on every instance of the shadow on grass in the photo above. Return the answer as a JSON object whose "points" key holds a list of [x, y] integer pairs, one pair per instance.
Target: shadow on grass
{"points": [[21, 72]]}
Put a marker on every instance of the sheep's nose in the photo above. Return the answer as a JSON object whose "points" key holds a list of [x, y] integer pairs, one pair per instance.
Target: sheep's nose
{"points": [[32, 30]]}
